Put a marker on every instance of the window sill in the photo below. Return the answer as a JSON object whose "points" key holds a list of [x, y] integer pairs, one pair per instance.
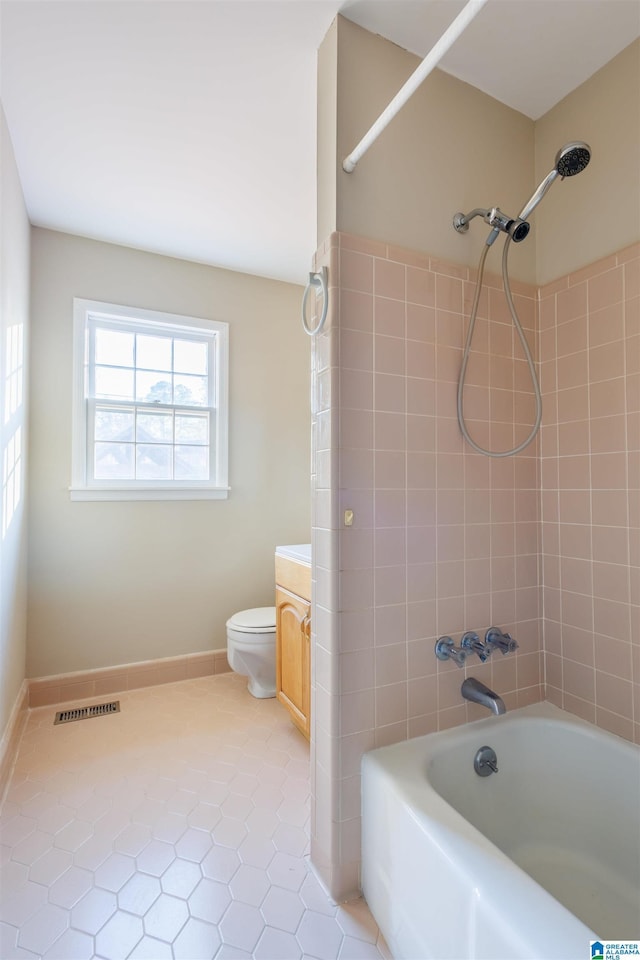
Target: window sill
{"points": [[149, 493]]}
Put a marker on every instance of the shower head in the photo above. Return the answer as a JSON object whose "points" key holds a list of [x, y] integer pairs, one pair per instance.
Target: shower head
{"points": [[571, 159]]}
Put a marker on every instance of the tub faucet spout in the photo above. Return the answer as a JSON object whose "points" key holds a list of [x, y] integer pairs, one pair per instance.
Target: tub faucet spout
{"points": [[477, 692]]}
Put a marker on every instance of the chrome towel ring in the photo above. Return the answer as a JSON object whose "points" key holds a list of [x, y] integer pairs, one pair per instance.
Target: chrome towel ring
{"points": [[316, 281]]}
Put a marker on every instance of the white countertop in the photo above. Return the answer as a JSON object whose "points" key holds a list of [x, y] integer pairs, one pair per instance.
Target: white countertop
{"points": [[301, 552]]}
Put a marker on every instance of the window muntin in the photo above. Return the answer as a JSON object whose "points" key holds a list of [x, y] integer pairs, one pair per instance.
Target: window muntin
{"points": [[152, 405]]}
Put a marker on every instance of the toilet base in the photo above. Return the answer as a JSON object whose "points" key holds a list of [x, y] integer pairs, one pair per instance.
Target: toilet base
{"points": [[259, 669], [260, 691]]}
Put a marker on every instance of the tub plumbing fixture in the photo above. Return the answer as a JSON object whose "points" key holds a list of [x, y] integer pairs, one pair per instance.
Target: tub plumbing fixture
{"points": [[476, 691], [485, 762], [472, 642], [447, 650], [495, 639]]}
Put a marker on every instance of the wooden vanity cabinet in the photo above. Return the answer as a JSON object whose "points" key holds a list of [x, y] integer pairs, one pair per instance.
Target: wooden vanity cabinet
{"points": [[293, 641]]}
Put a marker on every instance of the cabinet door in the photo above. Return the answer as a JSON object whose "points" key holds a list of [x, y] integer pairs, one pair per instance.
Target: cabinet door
{"points": [[293, 631]]}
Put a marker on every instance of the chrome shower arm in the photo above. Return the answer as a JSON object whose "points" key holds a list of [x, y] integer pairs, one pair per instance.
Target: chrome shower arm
{"points": [[461, 220]]}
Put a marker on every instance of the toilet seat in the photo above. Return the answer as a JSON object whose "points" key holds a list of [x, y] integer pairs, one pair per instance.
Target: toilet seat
{"points": [[258, 620]]}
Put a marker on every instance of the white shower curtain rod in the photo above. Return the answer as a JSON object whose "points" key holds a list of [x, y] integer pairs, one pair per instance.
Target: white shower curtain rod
{"points": [[432, 59]]}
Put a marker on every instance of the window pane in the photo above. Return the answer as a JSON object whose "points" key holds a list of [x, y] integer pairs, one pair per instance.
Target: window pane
{"points": [[113, 424], [147, 417], [192, 463], [192, 429], [191, 391], [154, 426], [114, 347], [153, 461], [153, 387], [114, 384], [190, 356], [153, 353], [113, 461]]}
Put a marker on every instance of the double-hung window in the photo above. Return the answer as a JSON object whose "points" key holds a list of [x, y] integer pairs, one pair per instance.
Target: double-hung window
{"points": [[150, 405]]}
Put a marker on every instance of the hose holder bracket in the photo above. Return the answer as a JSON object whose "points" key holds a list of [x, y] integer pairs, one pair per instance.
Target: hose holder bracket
{"points": [[516, 228]]}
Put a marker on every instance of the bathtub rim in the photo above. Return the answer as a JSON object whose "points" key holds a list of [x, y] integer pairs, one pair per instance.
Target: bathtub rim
{"points": [[542, 710]]}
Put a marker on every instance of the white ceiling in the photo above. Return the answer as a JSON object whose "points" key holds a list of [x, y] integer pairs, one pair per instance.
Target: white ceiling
{"points": [[188, 128]]}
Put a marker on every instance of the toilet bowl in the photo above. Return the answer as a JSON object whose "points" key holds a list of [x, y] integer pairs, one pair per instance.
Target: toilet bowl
{"points": [[251, 648]]}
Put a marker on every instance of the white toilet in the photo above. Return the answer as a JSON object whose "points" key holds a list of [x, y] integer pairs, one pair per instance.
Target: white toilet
{"points": [[251, 648]]}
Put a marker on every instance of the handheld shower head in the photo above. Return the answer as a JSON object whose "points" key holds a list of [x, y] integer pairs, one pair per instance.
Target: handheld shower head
{"points": [[570, 159], [573, 158]]}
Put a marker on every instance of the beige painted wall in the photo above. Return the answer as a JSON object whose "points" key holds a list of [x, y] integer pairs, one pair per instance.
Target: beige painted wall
{"points": [[327, 105], [450, 148], [14, 315], [113, 583], [454, 148], [598, 212]]}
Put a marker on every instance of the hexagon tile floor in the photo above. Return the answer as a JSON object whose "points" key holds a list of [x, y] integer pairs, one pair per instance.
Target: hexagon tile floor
{"points": [[175, 828]]}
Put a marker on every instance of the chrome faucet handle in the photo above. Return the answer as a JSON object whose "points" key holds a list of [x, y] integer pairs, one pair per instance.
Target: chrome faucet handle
{"points": [[498, 640], [446, 650], [472, 642]]}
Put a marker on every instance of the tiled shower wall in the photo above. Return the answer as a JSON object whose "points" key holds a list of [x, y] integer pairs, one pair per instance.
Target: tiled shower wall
{"points": [[590, 449], [443, 539]]}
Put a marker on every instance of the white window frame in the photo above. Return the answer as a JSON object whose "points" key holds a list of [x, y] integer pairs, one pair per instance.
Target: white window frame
{"points": [[83, 486]]}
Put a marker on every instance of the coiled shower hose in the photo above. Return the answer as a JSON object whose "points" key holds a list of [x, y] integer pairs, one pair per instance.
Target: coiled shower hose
{"points": [[525, 347]]}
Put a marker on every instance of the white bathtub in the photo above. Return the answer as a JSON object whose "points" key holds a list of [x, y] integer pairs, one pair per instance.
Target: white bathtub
{"points": [[533, 861]]}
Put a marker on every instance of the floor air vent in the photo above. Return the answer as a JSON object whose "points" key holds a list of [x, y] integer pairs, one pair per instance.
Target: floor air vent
{"points": [[83, 713]]}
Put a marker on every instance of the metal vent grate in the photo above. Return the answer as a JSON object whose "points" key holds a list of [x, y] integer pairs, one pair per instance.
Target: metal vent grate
{"points": [[83, 713]]}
